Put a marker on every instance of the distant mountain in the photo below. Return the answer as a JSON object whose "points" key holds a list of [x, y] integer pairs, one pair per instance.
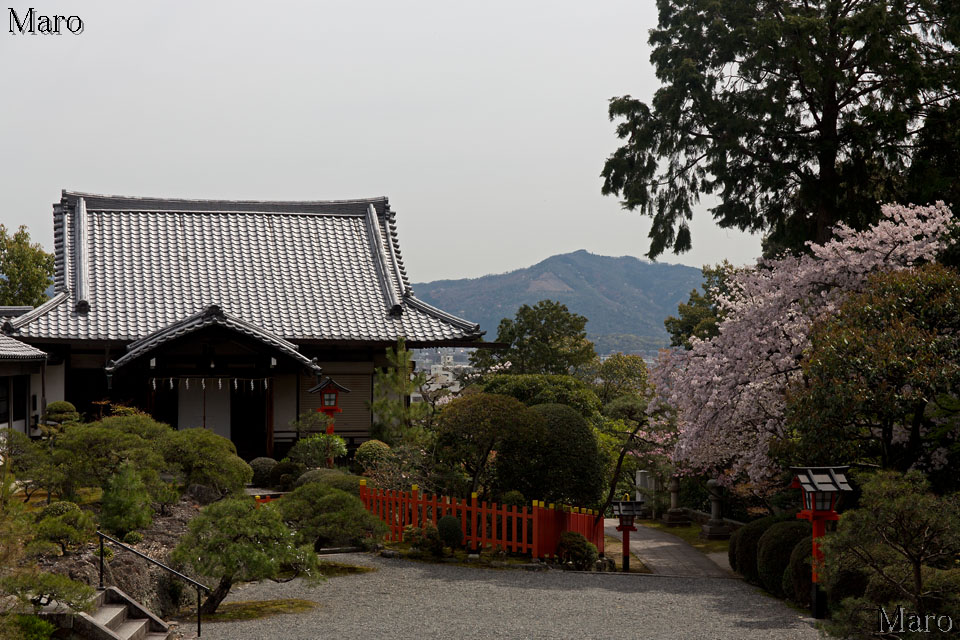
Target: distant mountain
{"points": [[624, 299]]}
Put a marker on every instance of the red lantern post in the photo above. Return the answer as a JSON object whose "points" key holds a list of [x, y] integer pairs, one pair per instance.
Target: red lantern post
{"points": [[626, 510], [329, 402], [821, 488]]}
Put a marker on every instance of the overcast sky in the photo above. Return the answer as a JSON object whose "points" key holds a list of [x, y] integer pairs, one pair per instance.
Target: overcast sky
{"points": [[484, 123]]}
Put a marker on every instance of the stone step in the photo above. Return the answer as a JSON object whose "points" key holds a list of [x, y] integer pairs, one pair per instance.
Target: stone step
{"points": [[135, 629], [110, 615]]}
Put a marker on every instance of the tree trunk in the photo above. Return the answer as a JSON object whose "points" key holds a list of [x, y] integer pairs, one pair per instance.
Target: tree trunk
{"points": [[217, 595], [616, 471], [918, 589]]}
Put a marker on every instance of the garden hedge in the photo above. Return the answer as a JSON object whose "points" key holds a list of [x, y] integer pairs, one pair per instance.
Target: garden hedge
{"points": [[773, 552], [732, 549], [800, 572], [261, 471], [747, 540]]}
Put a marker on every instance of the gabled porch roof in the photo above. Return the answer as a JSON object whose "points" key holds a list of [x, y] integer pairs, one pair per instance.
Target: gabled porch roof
{"points": [[212, 316]]}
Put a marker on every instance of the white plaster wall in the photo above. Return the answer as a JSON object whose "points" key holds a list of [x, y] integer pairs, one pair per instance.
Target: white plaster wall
{"points": [[190, 407], [55, 383]]}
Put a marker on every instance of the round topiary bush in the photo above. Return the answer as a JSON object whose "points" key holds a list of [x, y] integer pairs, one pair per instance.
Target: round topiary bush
{"points": [[450, 531], [371, 453], [284, 474], [316, 475], [261, 471], [332, 478], [513, 499], [732, 549], [62, 411], [801, 572], [326, 517], [747, 540], [555, 457], [424, 540], [577, 550], [773, 552]]}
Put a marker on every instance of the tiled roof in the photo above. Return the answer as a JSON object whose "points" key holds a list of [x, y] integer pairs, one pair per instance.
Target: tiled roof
{"points": [[128, 267], [12, 349], [211, 316]]}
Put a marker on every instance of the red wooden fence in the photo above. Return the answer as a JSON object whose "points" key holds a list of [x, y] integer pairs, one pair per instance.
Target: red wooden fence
{"points": [[535, 529]]}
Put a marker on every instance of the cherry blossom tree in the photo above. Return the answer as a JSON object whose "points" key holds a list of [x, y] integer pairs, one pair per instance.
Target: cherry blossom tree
{"points": [[729, 392]]}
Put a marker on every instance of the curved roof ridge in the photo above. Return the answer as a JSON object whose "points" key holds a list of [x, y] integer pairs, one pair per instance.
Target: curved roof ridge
{"points": [[459, 322], [12, 325], [154, 199]]}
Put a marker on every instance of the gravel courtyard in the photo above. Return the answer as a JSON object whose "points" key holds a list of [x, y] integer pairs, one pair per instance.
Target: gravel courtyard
{"points": [[405, 599]]}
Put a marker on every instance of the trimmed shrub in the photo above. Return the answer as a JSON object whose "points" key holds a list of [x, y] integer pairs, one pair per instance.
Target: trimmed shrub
{"points": [[801, 572], [325, 517], [70, 529], [57, 508], [261, 470], [577, 550], [732, 549], [138, 424], [747, 541], [133, 537], [536, 389], [207, 459], [61, 411], [333, 478], [284, 474], [450, 531], [513, 499], [318, 450], [126, 504], [371, 453], [773, 552], [317, 475], [425, 539]]}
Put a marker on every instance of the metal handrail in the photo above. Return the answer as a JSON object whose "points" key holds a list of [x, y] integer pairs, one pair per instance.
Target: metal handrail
{"points": [[195, 584]]}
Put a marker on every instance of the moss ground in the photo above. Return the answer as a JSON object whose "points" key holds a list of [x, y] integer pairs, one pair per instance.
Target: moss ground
{"points": [[613, 548], [250, 610]]}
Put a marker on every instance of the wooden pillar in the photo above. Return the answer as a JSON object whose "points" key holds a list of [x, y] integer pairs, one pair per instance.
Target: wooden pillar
{"points": [[270, 383]]}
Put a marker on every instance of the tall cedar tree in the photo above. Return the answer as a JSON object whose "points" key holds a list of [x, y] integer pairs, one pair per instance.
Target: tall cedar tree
{"points": [[797, 114], [545, 338], [26, 268]]}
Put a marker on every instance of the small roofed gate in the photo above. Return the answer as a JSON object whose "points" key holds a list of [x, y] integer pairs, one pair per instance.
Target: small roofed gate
{"points": [[213, 371], [533, 529]]}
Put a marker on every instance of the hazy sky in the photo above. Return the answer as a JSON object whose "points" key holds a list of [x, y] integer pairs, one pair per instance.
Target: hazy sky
{"points": [[484, 123]]}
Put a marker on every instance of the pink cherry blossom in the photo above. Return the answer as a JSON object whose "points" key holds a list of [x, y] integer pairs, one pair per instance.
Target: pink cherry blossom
{"points": [[729, 391]]}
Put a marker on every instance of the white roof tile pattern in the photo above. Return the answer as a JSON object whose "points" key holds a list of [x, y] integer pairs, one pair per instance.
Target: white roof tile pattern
{"points": [[128, 267], [13, 349]]}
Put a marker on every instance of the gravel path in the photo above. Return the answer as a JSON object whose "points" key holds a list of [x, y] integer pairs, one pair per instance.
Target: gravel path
{"points": [[407, 599]]}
